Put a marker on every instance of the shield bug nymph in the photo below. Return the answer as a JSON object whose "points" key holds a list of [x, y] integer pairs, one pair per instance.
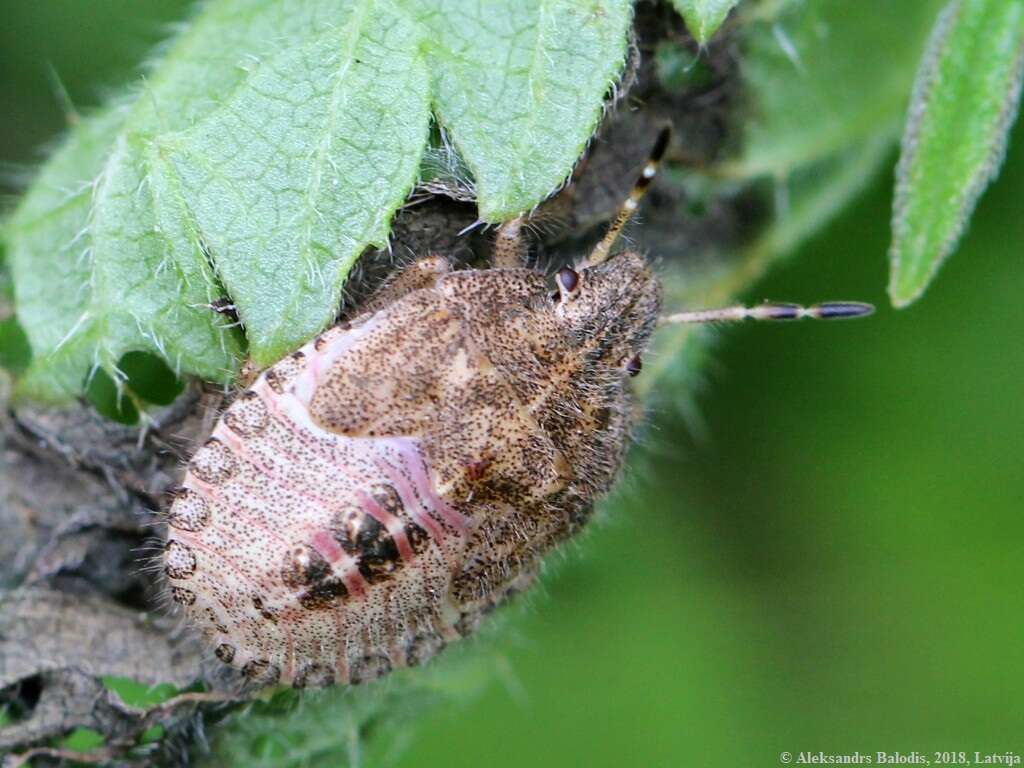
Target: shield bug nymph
{"points": [[371, 496]]}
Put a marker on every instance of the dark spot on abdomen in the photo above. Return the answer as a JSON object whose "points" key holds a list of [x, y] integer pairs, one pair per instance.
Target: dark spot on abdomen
{"points": [[303, 566], [179, 560], [361, 535], [368, 668], [381, 561], [183, 596], [306, 570], [418, 538], [388, 499], [265, 612], [248, 415], [423, 647], [314, 676], [322, 595], [213, 463], [189, 512], [261, 672], [281, 376]]}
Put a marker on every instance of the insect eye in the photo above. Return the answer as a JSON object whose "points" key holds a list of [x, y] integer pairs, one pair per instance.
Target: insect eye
{"points": [[568, 279], [634, 366]]}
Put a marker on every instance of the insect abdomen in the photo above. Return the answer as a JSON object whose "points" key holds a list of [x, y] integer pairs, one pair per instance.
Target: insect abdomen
{"points": [[371, 496], [310, 557]]}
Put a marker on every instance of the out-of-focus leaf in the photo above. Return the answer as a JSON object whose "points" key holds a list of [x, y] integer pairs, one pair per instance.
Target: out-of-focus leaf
{"points": [[6, 287], [813, 196], [808, 201], [82, 740], [267, 149], [349, 727], [704, 17], [152, 734], [677, 68], [824, 76], [965, 100]]}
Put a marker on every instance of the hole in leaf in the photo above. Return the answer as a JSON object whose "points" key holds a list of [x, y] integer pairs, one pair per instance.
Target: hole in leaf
{"points": [[15, 353], [150, 378], [102, 393], [18, 701]]}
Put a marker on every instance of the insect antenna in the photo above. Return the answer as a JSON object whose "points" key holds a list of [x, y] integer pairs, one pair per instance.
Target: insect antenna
{"points": [[829, 310], [628, 208]]}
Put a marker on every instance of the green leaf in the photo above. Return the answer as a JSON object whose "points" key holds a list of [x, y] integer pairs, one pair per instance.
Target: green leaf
{"points": [[152, 734], [519, 86], [303, 167], [136, 694], [267, 149], [704, 17], [48, 256], [82, 740], [965, 100], [824, 76], [104, 258]]}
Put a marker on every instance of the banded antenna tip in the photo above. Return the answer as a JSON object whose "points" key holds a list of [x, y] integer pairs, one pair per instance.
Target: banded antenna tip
{"points": [[841, 310]]}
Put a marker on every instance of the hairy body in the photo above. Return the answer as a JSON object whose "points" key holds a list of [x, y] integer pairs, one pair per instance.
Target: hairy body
{"points": [[371, 496]]}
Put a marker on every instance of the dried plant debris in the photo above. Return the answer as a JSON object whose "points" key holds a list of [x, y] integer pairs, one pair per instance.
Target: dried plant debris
{"points": [[60, 649], [139, 460], [44, 630]]}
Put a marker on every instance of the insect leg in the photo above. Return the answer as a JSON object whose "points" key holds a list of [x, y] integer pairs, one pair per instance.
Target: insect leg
{"points": [[603, 249], [420, 274], [510, 245]]}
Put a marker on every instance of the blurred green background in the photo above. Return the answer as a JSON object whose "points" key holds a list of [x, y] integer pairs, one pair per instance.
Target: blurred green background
{"points": [[837, 566]]}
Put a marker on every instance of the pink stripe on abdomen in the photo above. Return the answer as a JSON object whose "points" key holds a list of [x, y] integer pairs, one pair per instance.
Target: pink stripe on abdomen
{"points": [[413, 461]]}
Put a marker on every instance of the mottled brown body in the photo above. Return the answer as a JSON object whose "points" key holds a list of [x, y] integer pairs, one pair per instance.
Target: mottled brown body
{"points": [[368, 498], [371, 496]]}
